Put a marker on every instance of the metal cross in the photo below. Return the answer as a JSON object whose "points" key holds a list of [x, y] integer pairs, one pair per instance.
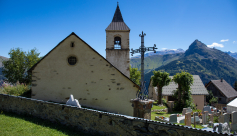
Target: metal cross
{"points": [[142, 50]]}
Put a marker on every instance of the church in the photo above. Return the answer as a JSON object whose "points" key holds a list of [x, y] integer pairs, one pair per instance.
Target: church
{"points": [[74, 67]]}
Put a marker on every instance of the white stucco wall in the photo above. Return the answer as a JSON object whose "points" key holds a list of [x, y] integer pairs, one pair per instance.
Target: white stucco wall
{"points": [[199, 100], [92, 80]]}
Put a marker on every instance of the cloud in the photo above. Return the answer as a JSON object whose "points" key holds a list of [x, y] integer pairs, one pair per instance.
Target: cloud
{"points": [[224, 40], [234, 41], [215, 45], [163, 48]]}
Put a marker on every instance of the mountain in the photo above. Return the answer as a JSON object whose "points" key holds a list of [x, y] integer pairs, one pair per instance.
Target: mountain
{"points": [[232, 54], [154, 61], [208, 63], [1, 67], [164, 52]]}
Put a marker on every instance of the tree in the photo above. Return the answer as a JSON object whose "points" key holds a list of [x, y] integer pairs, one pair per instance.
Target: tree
{"points": [[184, 81], [160, 79], [15, 69], [235, 85], [211, 98], [135, 75]]}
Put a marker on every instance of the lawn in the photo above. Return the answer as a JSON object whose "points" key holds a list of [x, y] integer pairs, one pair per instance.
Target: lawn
{"points": [[154, 114], [18, 125]]}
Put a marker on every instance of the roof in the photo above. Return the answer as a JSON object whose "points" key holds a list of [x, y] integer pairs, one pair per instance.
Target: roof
{"points": [[32, 68], [117, 22], [117, 15], [196, 89], [224, 87], [233, 103]]}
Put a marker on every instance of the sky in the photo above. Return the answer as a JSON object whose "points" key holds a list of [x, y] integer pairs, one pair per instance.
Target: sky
{"points": [[170, 24]]}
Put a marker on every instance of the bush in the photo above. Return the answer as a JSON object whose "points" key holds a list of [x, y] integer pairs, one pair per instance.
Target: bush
{"points": [[164, 101], [16, 89]]}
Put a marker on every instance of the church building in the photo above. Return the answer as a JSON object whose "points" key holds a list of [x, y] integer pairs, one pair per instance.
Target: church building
{"points": [[74, 67]]}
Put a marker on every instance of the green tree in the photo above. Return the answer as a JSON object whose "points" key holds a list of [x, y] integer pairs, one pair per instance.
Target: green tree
{"points": [[15, 69], [135, 75], [235, 85], [183, 93], [210, 98], [160, 79]]}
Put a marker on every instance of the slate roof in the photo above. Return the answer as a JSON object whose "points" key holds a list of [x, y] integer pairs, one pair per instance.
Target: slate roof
{"points": [[32, 68], [196, 89], [117, 22], [224, 87]]}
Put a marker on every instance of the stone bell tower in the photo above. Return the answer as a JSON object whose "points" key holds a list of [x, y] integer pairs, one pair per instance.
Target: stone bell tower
{"points": [[117, 43]]}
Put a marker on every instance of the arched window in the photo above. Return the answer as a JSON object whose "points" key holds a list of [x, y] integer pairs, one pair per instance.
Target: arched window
{"points": [[117, 43]]}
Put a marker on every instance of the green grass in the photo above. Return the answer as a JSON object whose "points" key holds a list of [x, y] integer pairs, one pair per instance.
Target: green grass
{"points": [[197, 126], [155, 107], [17, 125], [154, 114]]}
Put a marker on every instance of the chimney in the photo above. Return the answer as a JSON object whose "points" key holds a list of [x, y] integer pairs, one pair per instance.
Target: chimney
{"points": [[221, 79]]}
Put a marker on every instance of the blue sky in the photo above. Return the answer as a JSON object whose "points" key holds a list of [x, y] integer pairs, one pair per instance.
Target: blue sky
{"points": [[170, 24]]}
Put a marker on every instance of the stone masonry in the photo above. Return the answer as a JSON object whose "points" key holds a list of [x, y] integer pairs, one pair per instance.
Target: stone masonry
{"points": [[94, 121]]}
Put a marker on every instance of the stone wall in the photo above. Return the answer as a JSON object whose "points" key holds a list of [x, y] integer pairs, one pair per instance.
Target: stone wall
{"points": [[94, 121]]}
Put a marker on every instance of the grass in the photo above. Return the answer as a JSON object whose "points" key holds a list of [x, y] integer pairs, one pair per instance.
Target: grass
{"points": [[18, 125], [197, 126], [154, 114], [155, 107]]}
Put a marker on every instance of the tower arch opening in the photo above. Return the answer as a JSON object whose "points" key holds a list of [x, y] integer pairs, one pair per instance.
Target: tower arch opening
{"points": [[117, 42]]}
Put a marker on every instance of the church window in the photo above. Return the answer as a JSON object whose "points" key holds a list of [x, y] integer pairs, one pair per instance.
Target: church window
{"points": [[117, 43], [72, 44], [72, 60]]}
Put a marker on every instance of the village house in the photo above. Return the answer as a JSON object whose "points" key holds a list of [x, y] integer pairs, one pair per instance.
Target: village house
{"points": [[198, 91], [74, 67], [222, 90]]}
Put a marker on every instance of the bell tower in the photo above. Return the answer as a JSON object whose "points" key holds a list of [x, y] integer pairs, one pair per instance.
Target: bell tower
{"points": [[117, 43]]}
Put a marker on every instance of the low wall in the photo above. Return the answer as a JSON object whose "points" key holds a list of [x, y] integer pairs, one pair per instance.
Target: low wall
{"points": [[94, 121]]}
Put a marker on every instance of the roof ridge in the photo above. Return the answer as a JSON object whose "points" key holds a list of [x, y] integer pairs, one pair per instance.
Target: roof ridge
{"points": [[30, 70]]}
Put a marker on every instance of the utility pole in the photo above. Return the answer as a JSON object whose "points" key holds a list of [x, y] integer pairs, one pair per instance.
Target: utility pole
{"points": [[142, 50]]}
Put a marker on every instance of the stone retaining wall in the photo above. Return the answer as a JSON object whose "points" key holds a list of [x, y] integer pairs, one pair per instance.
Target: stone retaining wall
{"points": [[94, 121]]}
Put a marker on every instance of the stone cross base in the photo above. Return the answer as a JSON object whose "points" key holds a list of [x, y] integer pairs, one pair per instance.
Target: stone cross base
{"points": [[142, 108]]}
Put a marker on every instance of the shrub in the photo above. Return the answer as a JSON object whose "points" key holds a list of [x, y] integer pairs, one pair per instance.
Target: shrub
{"points": [[16, 89], [164, 101], [215, 119]]}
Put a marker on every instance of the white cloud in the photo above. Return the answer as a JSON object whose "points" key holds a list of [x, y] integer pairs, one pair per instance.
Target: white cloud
{"points": [[224, 40], [163, 48], [215, 45], [234, 41]]}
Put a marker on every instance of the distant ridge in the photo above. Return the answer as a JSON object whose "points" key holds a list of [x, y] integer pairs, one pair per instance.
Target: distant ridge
{"points": [[208, 63], [232, 54], [163, 52], [1, 59], [1, 67]]}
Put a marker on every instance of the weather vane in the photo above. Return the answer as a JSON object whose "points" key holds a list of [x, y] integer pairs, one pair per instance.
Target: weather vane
{"points": [[142, 50]]}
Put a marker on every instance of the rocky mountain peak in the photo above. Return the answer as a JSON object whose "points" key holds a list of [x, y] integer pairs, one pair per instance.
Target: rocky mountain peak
{"points": [[197, 47]]}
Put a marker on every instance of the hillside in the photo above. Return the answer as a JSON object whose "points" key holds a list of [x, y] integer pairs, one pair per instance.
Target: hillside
{"points": [[208, 63], [1, 67], [155, 61]]}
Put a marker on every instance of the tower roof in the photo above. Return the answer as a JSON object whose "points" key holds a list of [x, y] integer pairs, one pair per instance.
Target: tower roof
{"points": [[117, 15], [117, 22]]}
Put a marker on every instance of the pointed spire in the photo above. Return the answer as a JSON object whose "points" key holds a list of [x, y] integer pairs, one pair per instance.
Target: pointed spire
{"points": [[117, 15]]}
